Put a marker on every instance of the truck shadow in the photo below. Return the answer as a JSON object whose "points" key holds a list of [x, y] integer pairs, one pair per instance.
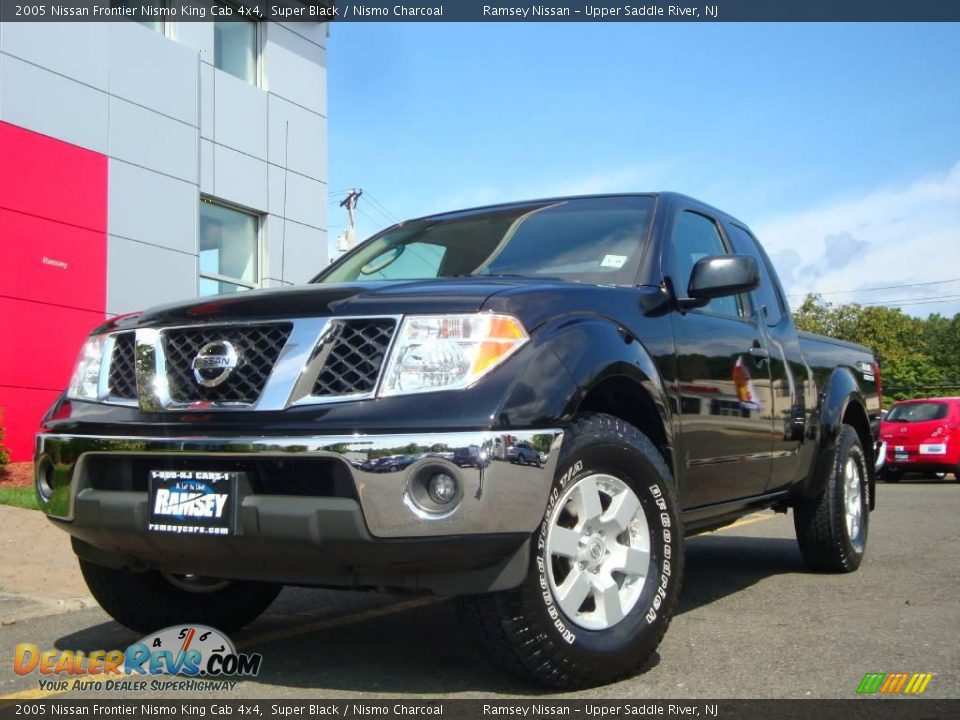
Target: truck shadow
{"points": [[423, 651], [721, 565]]}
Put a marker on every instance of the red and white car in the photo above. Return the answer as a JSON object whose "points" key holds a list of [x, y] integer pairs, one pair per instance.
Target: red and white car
{"points": [[922, 436]]}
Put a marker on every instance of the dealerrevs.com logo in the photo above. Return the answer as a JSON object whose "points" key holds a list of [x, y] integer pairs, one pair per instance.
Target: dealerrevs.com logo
{"points": [[201, 657]]}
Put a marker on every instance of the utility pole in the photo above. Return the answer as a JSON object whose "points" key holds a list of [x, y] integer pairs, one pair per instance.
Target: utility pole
{"points": [[347, 239]]}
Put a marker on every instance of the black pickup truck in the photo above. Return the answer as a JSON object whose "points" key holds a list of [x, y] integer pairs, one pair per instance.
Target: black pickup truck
{"points": [[208, 453]]}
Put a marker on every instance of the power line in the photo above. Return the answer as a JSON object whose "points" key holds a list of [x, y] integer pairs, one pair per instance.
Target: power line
{"points": [[376, 222], [383, 208], [381, 213], [906, 301], [886, 287]]}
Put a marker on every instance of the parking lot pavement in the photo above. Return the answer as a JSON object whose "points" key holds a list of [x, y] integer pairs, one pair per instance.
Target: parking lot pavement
{"points": [[751, 623]]}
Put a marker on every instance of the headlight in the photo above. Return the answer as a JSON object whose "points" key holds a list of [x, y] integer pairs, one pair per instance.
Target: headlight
{"points": [[85, 384], [447, 352]]}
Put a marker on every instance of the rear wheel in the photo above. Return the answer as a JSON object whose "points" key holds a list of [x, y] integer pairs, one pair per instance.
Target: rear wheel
{"points": [[606, 566], [151, 601], [832, 529]]}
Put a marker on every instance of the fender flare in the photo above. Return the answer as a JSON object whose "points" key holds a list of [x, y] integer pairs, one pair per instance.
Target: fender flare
{"points": [[595, 349], [836, 398]]}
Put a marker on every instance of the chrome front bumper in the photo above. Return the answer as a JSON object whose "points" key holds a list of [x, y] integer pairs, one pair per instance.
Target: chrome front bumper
{"points": [[496, 495]]}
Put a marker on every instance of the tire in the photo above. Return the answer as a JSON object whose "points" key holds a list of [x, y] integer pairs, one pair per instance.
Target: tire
{"points": [[149, 601], [892, 476], [832, 529], [537, 634]]}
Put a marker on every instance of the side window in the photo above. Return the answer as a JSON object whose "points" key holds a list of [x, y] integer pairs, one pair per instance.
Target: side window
{"points": [[766, 298], [696, 236]]}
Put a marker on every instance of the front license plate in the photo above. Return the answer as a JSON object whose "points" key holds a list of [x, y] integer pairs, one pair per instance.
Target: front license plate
{"points": [[192, 502], [901, 457]]}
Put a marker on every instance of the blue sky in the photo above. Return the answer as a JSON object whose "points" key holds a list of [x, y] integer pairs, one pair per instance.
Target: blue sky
{"points": [[839, 144]]}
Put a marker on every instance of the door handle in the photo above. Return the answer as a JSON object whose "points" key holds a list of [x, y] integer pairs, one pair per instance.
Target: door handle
{"points": [[758, 352]]}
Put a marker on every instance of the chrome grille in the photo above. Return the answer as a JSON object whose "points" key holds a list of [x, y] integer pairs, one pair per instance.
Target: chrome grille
{"points": [[122, 382], [358, 348], [258, 347]]}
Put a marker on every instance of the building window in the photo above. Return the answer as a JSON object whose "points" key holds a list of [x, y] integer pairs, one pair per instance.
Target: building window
{"points": [[139, 7], [229, 249], [236, 46]]}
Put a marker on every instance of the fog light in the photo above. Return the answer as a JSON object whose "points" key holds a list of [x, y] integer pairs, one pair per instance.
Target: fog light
{"points": [[44, 478], [442, 489]]}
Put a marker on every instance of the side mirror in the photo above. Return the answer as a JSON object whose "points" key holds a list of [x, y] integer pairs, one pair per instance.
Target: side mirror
{"points": [[723, 275]]}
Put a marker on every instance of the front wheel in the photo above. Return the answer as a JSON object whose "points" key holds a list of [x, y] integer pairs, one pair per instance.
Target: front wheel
{"points": [[151, 601], [832, 528], [606, 566]]}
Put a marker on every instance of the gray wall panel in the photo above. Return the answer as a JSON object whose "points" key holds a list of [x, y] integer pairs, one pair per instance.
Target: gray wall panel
{"points": [[206, 100], [198, 36], [295, 252], [53, 105], [150, 70], [239, 178], [296, 68], [78, 51], [314, 32], [206, 167], [154, 141], [145, 99], [307, 138], [240, 115], [306, 200], [141, 276], [306, 252], [152, 208], [273, 232]]}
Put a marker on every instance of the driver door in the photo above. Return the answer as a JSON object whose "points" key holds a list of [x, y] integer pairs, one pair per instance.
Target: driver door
{"points": [[722, 387]]}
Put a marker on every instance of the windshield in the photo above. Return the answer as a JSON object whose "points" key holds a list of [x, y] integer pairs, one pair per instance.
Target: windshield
{"points": [[917, 412], [596, 240]]}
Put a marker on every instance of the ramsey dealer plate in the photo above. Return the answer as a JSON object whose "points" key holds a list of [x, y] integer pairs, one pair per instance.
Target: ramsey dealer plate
{"points": [[192, 502]]}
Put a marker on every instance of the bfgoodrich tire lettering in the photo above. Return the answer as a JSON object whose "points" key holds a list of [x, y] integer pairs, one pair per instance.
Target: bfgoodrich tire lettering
{"points": [[527, 632], [830, 540]]}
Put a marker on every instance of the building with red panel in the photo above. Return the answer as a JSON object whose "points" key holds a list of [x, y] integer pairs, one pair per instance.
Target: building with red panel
{"points": [[142, 163]]}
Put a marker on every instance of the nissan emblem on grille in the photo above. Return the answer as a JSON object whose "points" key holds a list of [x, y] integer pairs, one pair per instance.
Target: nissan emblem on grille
{"points": [[215, 362]]}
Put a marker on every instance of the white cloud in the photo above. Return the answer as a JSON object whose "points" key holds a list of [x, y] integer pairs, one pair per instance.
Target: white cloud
{"points": [[639, 178], [888, 236]]}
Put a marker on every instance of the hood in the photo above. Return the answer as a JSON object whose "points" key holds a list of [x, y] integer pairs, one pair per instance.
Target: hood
{"points": [[442, 295]]}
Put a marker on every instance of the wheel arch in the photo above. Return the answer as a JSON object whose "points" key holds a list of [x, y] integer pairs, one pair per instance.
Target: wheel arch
{"points": [[842, 403], [615, 374]]}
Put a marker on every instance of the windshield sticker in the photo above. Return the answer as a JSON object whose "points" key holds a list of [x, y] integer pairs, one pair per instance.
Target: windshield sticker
{"points": [[613, 261]]}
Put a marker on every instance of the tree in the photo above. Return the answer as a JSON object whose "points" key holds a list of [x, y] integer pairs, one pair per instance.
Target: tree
{"points": [[911, 351]]}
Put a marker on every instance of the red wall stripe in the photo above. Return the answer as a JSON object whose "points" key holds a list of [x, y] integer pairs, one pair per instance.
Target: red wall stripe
{"points": [[53, 205]]}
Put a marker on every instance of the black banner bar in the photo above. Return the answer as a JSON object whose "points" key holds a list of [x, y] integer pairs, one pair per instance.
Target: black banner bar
{"points": [[482, 11], [856, 709]]}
